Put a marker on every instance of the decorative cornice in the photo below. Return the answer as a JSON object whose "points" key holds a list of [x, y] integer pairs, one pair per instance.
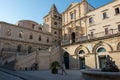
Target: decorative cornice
{"points": [[1, 38], [25, 28]]}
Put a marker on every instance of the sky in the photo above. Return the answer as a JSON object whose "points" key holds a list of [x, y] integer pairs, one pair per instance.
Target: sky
{"points": [[12, 11]]}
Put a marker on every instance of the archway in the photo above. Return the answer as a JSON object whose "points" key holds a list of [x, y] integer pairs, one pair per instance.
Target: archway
{"points": [[66, 60], [102, 58], [101, 44], [80, 52], [73, 37]]}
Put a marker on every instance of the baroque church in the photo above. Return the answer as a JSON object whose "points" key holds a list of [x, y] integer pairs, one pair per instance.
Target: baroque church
{"points": [[82, 36], [28, 44]]}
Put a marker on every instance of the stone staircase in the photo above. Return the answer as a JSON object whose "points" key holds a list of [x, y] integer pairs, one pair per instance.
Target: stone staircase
{"points": [[41, 58], [9, 65], [55, 54], [25, 62]]}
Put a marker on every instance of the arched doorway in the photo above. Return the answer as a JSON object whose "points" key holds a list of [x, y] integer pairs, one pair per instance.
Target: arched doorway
{"points": [[29, 49], [82, 60], [19, 48], [102, 58], [73, 37], [66, 60]]}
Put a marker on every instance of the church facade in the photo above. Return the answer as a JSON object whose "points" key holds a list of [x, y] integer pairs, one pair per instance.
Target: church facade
{"points": [[27, 44]]}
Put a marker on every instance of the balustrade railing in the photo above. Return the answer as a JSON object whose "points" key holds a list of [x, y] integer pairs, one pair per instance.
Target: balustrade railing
{"points": [[104, 34], [91, 36], [13, 50]]}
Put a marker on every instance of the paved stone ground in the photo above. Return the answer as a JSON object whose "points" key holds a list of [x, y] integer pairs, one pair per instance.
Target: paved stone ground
{"points": [[47, 75], [39, 75], [5, 76]]}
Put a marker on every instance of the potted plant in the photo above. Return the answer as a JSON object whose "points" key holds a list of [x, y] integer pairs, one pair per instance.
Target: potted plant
{"points": [[54, 67]]}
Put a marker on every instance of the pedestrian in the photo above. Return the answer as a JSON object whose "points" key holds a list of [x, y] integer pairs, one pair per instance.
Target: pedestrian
{"points": [[63, 69]]}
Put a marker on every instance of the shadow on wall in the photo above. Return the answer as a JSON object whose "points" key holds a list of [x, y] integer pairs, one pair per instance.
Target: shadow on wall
{"points": [[88, 67], [73, 62]]}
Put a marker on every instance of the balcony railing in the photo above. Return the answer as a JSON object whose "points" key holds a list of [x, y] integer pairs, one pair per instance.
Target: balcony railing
{"points": [[91, 36], [104, 34], [13, 50]]}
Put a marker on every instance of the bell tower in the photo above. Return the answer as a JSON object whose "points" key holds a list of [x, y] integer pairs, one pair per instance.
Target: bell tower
{"points": [[54, 21]]}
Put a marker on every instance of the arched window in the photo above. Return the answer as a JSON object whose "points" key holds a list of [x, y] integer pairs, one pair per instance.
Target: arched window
{"points": [[81, 52], [31, 36], [59, 17], [8, 32], [33, 26], [39, 28], [21, 34], [73, 37], [47, 40], [55, 16], [39, 38], [55, 32], [55, 23], [101, 49], [19, 48]]}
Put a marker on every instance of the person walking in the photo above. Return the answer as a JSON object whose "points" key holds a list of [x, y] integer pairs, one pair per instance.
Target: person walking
{"points": [[63, 69]]}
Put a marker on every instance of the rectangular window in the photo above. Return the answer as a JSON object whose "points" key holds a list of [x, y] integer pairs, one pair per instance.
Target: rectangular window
{"points": [[91, 34], [72, 15], [106, 31], [119, 28], [117, 11], [33, 25], [39, 28], [91, 20], [104, 15]]}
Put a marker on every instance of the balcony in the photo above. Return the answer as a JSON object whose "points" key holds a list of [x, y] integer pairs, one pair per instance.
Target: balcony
{"points": [[104, 34], [97, 36]]}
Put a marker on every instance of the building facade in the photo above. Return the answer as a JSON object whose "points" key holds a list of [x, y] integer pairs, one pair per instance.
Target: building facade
{"points": [[28, 44], [82, 36], [98, 35]]}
